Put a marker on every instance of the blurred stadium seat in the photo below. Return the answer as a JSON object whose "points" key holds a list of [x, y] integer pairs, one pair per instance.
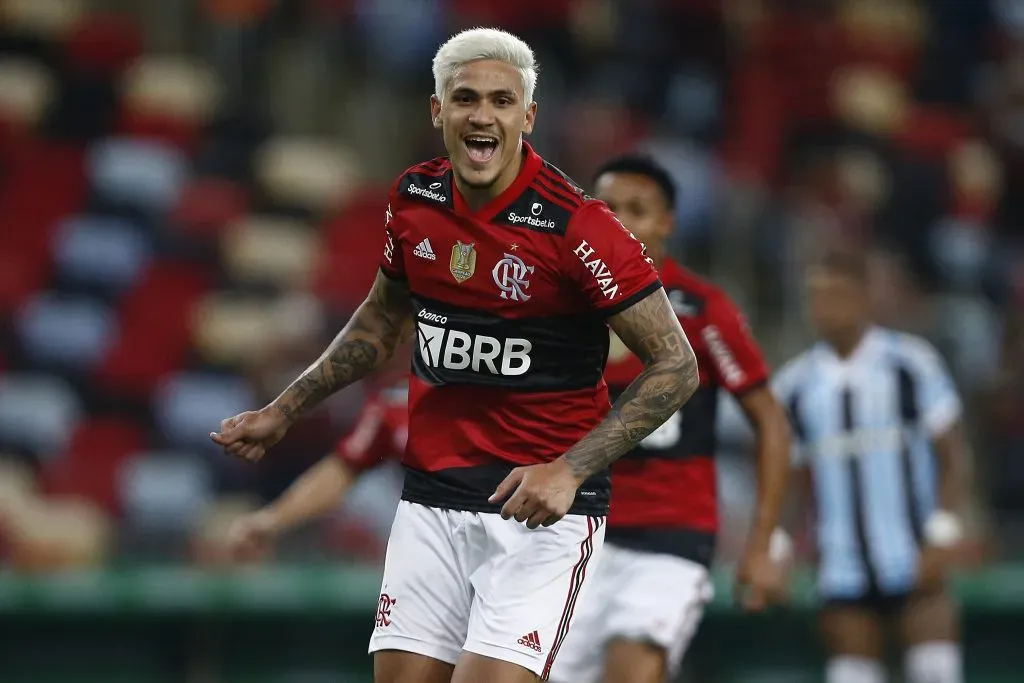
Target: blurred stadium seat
{"points": [[38, 413], [230, 329], [104, 43], [50, 19], [90, 465], [164, 492], [104, 253], [268, 250], [154, 337], [315, 174], [66, 331], [208, 206], [141, 174], [59, 534], [26, 90]]}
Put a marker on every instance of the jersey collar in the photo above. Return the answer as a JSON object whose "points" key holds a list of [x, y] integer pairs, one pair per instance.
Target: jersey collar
{"points": [[531, 165]]}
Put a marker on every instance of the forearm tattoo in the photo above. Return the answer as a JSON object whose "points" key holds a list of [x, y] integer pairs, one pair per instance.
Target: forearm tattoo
{"points": [[669, 378], [379, 326]]}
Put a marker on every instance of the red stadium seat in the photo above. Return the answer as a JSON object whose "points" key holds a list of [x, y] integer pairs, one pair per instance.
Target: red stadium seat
{"points": [[353, 242], [105, 43], [21, 275], [932, 132], [172, 130], [155, 332], [88, 469], [210, 205]]}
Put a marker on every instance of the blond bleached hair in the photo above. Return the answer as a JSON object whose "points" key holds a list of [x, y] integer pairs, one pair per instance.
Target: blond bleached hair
{"points": [[476, 44]]}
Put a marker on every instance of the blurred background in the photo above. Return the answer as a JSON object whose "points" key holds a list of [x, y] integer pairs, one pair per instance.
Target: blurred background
{"points": [[191, 201]]}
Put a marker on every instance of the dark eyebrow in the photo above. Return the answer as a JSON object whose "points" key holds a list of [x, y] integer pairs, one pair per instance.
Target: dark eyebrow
{"points": [[470, 92]]}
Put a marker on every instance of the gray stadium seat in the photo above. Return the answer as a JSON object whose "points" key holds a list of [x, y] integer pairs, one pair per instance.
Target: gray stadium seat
{"points": [[100, 250], [67, 331], [142, 174], [160, 488], [37, 412]]}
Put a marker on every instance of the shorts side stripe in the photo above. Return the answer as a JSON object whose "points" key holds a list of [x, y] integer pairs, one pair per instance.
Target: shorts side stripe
{"points": [[579, 572]]}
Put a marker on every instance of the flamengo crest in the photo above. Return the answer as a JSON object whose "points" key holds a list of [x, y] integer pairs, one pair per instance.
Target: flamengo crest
{"points": [[510, 275]]}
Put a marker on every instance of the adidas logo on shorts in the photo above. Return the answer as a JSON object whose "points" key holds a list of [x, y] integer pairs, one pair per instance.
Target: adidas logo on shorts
{"points": [[531, 640], [424, 250]]}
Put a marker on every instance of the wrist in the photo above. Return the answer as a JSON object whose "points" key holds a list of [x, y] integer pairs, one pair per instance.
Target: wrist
{"points": [[272, 519], [943, 529], [283, 411], [578, 476]]}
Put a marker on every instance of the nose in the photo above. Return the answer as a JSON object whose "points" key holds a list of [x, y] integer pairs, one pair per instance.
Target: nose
{"points": [[482, 114]]}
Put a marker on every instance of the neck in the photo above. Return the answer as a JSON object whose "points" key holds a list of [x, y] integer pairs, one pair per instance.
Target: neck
{"points": [[478, 197], [846, 342]]}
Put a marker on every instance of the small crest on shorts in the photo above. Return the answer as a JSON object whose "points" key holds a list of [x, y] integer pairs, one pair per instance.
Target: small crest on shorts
{"points": [[463, 262]]}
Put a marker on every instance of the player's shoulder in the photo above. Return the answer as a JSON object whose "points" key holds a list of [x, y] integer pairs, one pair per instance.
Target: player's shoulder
{"points": [[794, 372], [429, 182], [547, 204], [691, 294], [912, 349]]}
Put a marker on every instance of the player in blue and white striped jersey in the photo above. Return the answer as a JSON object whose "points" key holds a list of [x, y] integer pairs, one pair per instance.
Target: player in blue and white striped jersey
{"points": [[876, 424]]}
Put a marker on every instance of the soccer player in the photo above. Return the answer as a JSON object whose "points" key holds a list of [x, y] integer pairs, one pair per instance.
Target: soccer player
{"points": [[379, 434], [510, 276], [877, 425], [652, 583]]}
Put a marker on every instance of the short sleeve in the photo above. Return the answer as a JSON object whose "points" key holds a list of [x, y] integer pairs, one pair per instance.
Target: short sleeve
{"points": [[608, 264], [368, 444], [392, 263], [737, 360], [939, 400], [786, 387]]}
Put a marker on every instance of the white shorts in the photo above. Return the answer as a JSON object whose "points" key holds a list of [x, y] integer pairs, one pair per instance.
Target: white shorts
{"points": [[640, 596], [470, 581]]}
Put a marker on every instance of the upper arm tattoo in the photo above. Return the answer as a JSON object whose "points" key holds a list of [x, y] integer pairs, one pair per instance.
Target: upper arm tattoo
{"points": [[376, 329], [651, 331]]}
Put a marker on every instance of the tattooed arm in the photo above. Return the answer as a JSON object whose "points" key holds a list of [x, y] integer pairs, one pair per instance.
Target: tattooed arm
{"points": [[543, 494], [651, 331], [370, 338]]}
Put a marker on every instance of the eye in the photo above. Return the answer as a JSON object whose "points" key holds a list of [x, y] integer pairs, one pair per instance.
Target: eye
{"points": [[504, 102]]}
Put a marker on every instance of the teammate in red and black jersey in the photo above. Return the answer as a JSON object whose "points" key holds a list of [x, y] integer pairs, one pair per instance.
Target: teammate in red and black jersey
{"points": [[378, 435], [509, 277], [652, 583]]}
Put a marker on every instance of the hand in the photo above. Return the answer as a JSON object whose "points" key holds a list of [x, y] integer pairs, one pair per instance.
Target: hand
{"points": [[251, 536], [250, 434], [935, 562], [760, 580], [540, 494]]}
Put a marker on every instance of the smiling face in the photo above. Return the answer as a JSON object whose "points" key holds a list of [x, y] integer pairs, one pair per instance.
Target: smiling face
{"points": [[482, 118]]}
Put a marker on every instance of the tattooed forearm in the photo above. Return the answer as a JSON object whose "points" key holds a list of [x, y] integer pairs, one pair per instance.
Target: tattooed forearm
{"points": [[669, 378], [378, 327]]}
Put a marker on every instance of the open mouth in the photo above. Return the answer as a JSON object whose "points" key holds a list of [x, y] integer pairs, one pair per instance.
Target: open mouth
{"points": [[481, 149]]}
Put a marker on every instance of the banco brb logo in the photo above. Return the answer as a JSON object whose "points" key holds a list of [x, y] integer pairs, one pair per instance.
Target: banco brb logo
{"points": [[456, 350], [510, 275]]}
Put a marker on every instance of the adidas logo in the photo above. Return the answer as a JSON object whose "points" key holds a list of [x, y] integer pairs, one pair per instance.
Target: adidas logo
{"points": [[424, 250], [531, 640]]}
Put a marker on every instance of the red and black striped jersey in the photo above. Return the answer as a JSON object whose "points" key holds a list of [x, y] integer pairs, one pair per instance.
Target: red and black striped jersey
{"points": [[380, 431], [665, 491], [511, 304]]}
